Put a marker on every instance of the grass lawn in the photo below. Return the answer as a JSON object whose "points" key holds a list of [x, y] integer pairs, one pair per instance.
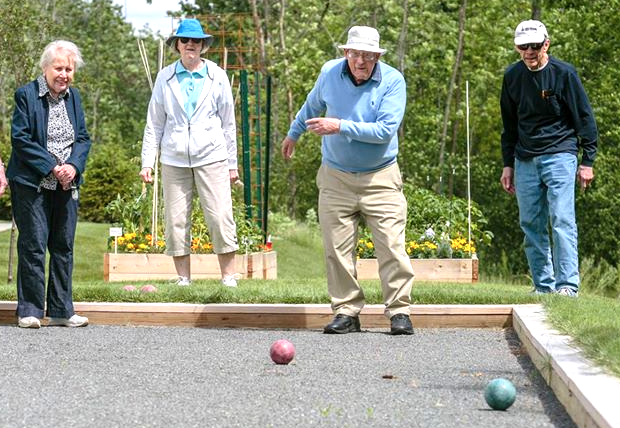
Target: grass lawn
{"points": [[593, 321]]}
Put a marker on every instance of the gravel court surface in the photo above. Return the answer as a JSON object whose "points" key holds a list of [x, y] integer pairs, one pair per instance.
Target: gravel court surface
{"points": [[108, 376]]}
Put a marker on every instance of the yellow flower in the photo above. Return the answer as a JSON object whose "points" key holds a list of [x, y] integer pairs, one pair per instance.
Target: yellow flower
{"points": [[143, 246], [130, 246], [369, 245]]}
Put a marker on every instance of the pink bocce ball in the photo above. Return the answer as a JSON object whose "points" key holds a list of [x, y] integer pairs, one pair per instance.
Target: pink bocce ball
{"points": [[282, 351]]}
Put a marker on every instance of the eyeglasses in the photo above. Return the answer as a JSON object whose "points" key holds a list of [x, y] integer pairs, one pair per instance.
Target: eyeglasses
{"points": [[187, 39], [534, 46], [366, 56]]}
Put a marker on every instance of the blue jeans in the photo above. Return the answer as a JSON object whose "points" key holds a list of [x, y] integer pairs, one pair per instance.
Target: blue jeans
{"points": [[545, 187], [46, 220]]}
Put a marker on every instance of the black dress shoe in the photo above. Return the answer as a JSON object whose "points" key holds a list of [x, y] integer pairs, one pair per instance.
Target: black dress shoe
{"points": [[401, 324], [342, 324]]}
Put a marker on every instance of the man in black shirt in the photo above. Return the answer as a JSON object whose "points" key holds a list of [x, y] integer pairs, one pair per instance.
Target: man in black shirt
{"points": [[547, 120]]}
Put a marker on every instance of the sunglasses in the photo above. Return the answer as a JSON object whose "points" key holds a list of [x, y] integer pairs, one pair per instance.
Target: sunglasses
{"points": [[534, 46], [187, 39]]}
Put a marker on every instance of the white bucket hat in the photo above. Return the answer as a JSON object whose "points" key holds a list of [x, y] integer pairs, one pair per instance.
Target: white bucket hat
{"points": [[363, 39], [530, 31]]}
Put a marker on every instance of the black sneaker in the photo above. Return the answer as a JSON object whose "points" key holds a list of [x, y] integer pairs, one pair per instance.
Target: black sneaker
{"points": [[401, 324], [342, 324]]}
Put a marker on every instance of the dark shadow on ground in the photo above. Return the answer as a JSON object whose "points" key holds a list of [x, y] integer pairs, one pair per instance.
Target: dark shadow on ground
{"points": [[552, 406]]}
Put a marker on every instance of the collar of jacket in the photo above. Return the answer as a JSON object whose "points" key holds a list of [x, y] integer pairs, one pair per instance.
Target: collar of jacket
{"points": [[176, 87]]}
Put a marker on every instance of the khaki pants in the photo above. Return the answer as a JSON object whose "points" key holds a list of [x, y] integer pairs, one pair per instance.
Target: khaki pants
{"points": [[213, 187], [377, 196]]}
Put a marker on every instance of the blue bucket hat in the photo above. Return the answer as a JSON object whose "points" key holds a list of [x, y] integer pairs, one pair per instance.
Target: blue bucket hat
{"points": [[190, 28]]}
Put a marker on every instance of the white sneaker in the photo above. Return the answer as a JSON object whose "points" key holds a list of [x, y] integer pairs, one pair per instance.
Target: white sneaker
{"points": [[28, 322], [231, 280], [567, 291], [181, 281], [74, 321]]}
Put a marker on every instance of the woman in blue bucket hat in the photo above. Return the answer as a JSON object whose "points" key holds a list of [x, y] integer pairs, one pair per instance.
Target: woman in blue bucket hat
{"points": [[191, 120]]}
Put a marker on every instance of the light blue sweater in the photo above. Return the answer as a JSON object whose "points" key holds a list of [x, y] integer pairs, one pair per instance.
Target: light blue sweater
{"points": [[370, 115]]}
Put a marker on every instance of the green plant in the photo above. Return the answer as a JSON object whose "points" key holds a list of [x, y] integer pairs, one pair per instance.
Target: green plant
{"points": [[312, 219], [445, 216], [365, 246], [130, 212]]}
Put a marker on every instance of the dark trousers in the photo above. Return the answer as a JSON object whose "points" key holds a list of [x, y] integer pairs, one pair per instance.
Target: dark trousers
{"points": [[46, 219]]}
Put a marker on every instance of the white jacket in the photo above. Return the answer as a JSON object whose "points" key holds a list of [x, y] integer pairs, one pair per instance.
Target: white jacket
{"points": [[209, 136]]}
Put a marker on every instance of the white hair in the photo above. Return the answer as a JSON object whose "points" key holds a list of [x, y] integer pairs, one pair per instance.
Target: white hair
{"points": [[52, 49]]}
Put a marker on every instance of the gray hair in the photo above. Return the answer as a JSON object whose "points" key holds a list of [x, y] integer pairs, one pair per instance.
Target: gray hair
{"points": [[51, 52]]}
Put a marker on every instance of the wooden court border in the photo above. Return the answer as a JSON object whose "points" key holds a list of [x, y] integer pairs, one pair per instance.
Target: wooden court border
{"points": [[279, 316]]}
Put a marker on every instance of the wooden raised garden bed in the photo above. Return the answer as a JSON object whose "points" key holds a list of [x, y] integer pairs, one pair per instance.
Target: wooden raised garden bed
{"points": [[446, 270], [136, 267]]}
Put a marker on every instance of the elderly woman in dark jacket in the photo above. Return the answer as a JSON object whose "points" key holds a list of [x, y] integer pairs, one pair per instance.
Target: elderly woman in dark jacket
{"points": [[50, 145]]}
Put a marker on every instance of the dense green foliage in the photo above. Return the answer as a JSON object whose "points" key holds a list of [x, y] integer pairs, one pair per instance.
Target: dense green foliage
{"points": [[422, 38]]}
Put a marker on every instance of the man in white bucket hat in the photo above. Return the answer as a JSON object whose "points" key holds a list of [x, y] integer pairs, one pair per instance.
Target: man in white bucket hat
{"points": [[356, 106], [548, 121]]}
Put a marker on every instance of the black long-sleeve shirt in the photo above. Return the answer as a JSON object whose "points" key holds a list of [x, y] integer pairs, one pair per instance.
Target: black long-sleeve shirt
{"points": [[546, 112]]}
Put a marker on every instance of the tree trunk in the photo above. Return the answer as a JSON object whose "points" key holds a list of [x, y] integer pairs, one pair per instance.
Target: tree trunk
{"points": [[291, 178], [456, 126], [402, 38], [259, 35], [455, 69], [536, 10], [289, 93], [401, 52]]}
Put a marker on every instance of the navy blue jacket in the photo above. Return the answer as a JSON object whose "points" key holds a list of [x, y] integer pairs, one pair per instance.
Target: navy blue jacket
{"points": [[30, 160], [546, 112]]}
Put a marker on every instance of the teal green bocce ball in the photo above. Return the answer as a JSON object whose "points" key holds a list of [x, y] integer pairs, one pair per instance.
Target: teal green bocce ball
{"points": [[500, 394]]}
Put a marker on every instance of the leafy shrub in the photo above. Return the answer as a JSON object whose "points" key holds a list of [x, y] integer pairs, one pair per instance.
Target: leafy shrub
{"points": [[437, 227], [110, 171], [444, 215], [280, 223]]}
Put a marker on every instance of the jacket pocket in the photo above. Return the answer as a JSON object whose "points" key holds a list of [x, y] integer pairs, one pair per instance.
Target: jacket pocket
{"points": [[206, 140], [174, 141]]}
